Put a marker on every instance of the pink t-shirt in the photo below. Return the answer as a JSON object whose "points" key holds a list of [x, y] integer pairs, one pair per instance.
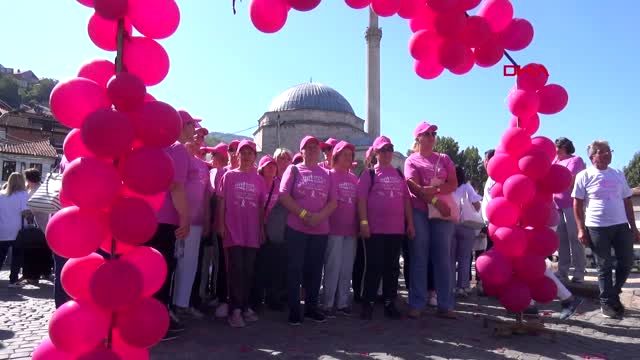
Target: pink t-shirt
{"points": [[575, 165], [385, 199], [197, 187], [312, 191], [435, 166], [344, 220], [215, 179], [274, 195], [167, 213], [243, 194]]}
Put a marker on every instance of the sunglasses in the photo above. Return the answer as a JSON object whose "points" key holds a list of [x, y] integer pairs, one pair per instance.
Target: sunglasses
{"points": [[430, 133], [386, 149]]}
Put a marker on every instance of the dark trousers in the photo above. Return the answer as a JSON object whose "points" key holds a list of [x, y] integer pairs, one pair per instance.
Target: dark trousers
{"points": [[16, 258], [164, 240], [269, 283], [620, 238], [60, 296], [240, 266], [38, 262], [382, 261], [406, 261], [222, 287], [195, 300], [305, 258], [358, 271]]}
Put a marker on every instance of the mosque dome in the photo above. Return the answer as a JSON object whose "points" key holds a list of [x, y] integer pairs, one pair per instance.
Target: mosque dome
{"points": [[312, 96]]}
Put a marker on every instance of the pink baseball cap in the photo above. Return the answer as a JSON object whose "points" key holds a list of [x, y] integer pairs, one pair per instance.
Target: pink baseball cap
{"points": [[266, 160], [306, 140], [186, 118], [341, 146], [380, 142], [369, 151], [422, 128], [297, 157], [245, 143], [233, 146], [330, 143]]}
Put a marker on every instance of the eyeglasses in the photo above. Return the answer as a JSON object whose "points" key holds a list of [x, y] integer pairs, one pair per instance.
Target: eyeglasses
{"points": [[606, 152], [430, 133]]}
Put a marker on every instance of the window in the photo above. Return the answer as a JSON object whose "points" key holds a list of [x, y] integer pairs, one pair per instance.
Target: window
{"points": [[36, 166], [8, 167]]}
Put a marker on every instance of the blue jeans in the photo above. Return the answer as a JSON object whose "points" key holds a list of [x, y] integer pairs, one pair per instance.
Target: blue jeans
{"points": [[432, 242], [461, 251], [60, 296], [620, 238]]}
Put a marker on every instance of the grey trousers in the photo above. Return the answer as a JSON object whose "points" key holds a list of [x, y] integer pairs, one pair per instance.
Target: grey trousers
{"points": [[338, 269], [571, 251]]}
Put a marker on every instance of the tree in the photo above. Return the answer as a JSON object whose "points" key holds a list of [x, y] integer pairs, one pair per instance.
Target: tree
{"points": [[10, 91], [449, 146], [474, 168], [632, 171]]}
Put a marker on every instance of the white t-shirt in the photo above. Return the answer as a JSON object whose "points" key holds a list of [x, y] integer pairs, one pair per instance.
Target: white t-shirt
{"points": [[603, 192], [486, 197], [11, 208], [465, 191]]}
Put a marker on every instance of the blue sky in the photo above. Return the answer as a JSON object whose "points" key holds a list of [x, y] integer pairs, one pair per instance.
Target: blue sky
{"points": [[227, 72]]}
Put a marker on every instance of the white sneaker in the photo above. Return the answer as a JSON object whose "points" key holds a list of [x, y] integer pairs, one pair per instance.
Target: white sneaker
{"points": [[16, 285], [236, 320], [195, 313], [222, 311], [173, 316], [250, 316], [433, 300]]}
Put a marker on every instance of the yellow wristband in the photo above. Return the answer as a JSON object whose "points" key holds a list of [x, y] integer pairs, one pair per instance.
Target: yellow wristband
{"points": [[434, 201], [302, 214], [364, 222]]}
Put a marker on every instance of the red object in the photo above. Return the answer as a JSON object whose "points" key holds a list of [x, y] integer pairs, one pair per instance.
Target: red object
{"points": [[496, 190], [73, 147], [498, 14], [126, 91], [120, 249], [107, 133], [543, 290], [99, 71], [494, 268], [518, 35], [408, 8], [304, 5], [476, 31], [151, 265], [116, 285], [147, 171], [451, 53], [157, 19], [502, 166], [535, 164], [424, 44], [125, 350], [47, 351], [519, 189], [515, 296], [91, 183], [99, 354], [155, 200], [75, 233], [77, 273], [529, 268], [442, 5], [553, 99], [502, 212], [358, 4], [489, 53], [544, 144], [103, 32], [467, 63], [132, 220], [423, 19], [87, 3], [428, 69], [511, 241], [111, 9], [543, 241], [532, 77], [77, 327], [385, 8], [268, 16], [72, 100], [451, 23], [523, 103], [558, 179], [529, 124], [156, 124], [515, 142], [147, 59], [536, 213], [143, 324]]}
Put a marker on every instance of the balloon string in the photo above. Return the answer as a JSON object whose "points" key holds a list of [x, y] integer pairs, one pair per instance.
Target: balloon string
{"points": [[120, 46], [233, 6], [513, 62]]}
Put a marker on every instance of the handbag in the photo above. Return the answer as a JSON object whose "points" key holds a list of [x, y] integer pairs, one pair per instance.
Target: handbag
{"points": [[31, 236], [446, 198], [469, 217], [276, 223], [47, 198]]}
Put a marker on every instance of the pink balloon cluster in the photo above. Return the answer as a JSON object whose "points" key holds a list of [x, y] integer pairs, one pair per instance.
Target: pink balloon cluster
{"points": [[521, 212], [116, 179]]}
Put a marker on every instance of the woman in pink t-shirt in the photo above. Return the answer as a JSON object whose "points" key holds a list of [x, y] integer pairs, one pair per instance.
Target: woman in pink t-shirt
{"points": [[308, 192], [384, 209], [283, 157], [240, 226], [571, 251], [431, 177]]}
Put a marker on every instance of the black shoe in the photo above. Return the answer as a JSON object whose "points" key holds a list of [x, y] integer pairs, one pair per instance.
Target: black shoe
{"points": [[367, 311], [344, 311], [531, 311], [609, 312], [391, 311], [175, 327], [569, 308], [618, 308], [295, 319], [315, 315]]}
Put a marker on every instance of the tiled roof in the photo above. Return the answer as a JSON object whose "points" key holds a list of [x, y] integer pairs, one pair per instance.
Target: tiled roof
{"points": [[39, 148]]}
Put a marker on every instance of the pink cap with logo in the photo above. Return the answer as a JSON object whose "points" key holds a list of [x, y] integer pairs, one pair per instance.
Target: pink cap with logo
{"points": [[330, 143], [246, 143], [186, 118], [266, 160], [341, 146], [306, 140], [380, 142], [233, 146], [422, 128]]}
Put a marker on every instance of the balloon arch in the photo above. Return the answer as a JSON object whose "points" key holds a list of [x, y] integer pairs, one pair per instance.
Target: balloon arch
{"points": [[118, 172]]}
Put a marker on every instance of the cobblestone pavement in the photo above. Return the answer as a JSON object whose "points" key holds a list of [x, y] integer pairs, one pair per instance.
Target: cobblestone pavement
{"points": [[24, 314]]}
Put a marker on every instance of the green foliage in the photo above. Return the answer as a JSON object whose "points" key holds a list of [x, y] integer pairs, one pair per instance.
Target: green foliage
{"points": [[37, 94], [632, 171], [10, 91]]}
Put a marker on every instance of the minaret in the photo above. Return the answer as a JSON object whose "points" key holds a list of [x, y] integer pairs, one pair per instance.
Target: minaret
{"points": [[373, 37]]}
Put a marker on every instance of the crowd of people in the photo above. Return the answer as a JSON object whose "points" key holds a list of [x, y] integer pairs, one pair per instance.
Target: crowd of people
{"points": [[243, 235]]}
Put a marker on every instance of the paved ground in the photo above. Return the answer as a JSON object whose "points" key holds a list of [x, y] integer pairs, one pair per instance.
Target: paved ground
{"points": [[24, 314]]}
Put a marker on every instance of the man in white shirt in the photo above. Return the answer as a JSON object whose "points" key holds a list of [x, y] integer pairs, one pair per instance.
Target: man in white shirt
{"points": [[605, 220]]}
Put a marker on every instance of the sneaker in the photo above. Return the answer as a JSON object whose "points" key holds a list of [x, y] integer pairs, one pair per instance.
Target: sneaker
{"points": [[609, 312], [619, 308], [236, 320], [577, 280], [250, 316], [480, 289], [569, 308], [174, 326], [414, 313], [461, 292], [295, 319], [315, 315], [531, 311], [346, 311], [392, 312], [446, 314], [15, 285], [330, 313], [189, 312], [213, 303], [367, 311], [433, 300], [222, 311]]}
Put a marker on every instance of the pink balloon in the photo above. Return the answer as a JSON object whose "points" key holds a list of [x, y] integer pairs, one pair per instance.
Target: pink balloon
{"points": [[492, 290], [147, 171], [543, 241], [428, 69], [423, 20], [532, 77], [558, 179], [518, 35], [523, 104], [491, 230], [494, 268], [529, 124], [155, 200], [125, 350], [87, 3], [543, 195], [156, 124], [111, 9], [476, 31], [77, 273], [424, 44], [442, 5], [99, 354], [103, 32], [74, 233], [529, 268], [99, 71], [498, 14], [553, 99], [144, 324], [501, 166], [116, 285], [126, 91], [554, 219], [385, 8], [77, 327], [91, 183], [157, 19], [519, 189], [496, 190], [358, 4], [47, 351], [408, 8], [268, 16], [545, 145], [132, 220], [543, 290], [107, 133], [72, 100], [148, 97], [451, 23], [489, 53], [303, 5], [534, 164], [152, 267], [451, 53], [73, 147], [121, 248], [146, 59], [511, 241], [466, 65], [502, 212], [515, 142], [468, 4], [515, 296], [536, 214]]}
